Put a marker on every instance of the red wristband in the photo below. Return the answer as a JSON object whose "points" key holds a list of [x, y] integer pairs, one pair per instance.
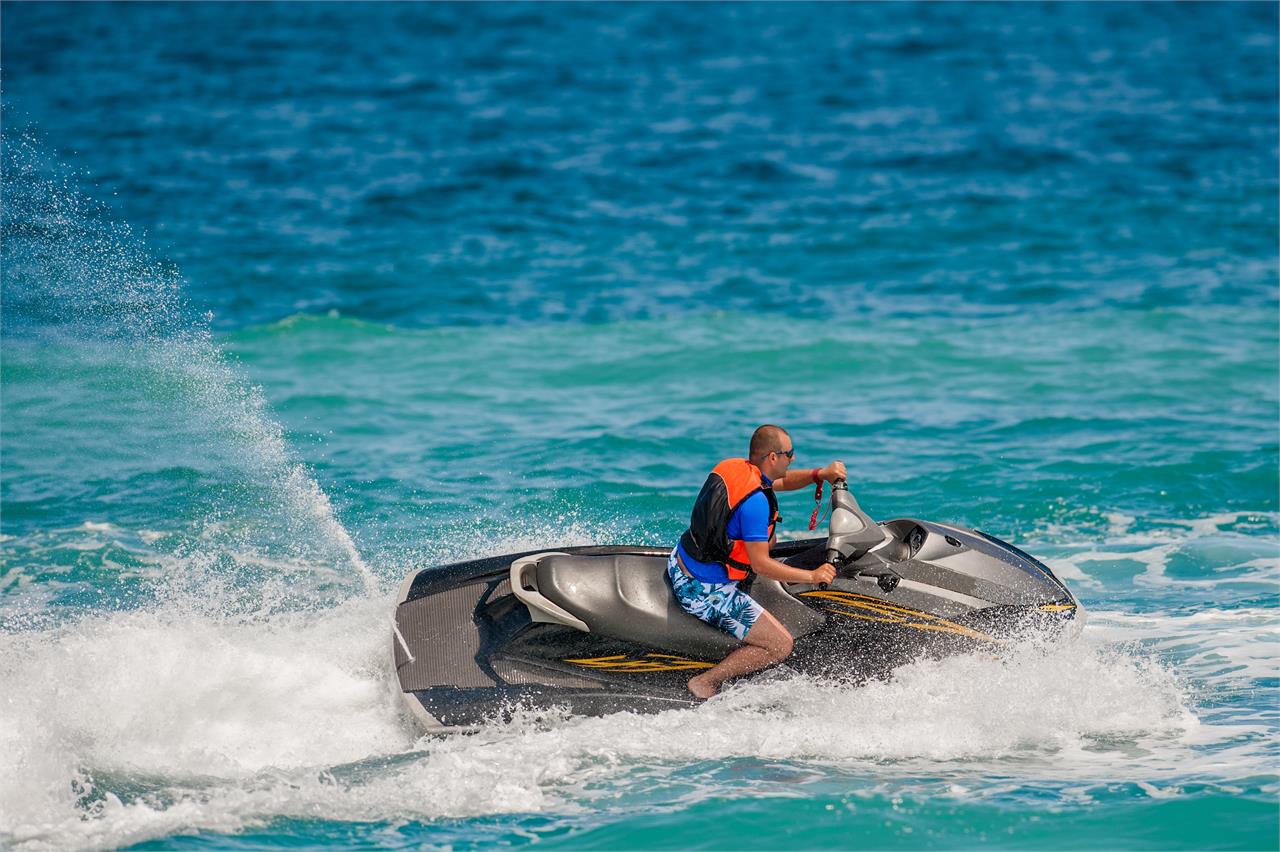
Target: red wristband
{"points": [[814, 474]]}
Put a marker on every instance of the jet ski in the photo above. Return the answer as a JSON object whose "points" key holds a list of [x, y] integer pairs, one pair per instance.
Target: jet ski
{"points": [[596, 630]]}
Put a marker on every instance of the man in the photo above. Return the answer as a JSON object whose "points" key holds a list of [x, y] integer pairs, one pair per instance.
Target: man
{"points": [[730, 532]]}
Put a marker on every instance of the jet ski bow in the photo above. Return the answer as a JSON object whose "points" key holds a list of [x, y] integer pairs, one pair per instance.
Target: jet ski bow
{"points": [[597, 630]]}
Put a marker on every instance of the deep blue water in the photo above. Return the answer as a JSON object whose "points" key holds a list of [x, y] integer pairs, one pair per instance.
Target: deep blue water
{"points": [[466, 164], [297, 297]]}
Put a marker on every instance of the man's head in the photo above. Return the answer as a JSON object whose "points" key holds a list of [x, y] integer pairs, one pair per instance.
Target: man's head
{"points": [[771, 450]]}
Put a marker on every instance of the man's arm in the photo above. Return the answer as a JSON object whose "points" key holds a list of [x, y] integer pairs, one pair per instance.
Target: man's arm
{"points": [[766, 566], [800, 478]]}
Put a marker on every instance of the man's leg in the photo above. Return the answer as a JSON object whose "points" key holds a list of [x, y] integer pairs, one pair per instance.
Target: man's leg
{"points": [[768, 642]]}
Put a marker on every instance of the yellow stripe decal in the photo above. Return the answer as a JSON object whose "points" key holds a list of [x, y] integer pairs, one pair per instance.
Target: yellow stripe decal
{"points": [[647, 663], [866, 608]]}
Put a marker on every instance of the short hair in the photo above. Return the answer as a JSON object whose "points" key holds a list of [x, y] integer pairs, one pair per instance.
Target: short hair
{"points": [[767, 439]]}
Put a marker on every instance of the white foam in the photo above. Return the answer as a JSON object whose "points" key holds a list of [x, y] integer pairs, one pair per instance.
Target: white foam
{"points": [[187, 700], [98, 526], [1211, 524], [1240, 558], [1069, 569], [175, 724], [1221, 648], [1118, 523]]}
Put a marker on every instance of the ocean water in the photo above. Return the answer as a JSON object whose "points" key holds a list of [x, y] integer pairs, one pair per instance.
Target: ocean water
{"points": [[300, 298]]}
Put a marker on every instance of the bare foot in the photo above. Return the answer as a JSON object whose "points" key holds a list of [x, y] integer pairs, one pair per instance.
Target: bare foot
{"points": [[701, 688]]}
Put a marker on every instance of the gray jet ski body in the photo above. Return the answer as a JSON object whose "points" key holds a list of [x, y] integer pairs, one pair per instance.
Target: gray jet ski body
{"points": [[597, 630]]}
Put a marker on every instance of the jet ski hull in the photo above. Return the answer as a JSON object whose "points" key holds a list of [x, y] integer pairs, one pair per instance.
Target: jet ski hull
{"points": [[595, 630]]}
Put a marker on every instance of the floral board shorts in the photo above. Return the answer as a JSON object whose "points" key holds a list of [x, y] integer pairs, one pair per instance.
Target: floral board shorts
{"points": [[721, 605]]}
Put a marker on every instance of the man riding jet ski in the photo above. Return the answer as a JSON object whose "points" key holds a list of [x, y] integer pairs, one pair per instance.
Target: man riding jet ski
{"points": [[597, 630], [730, 532]]}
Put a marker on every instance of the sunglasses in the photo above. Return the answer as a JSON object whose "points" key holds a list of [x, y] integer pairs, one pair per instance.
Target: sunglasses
{"points": [[791, 453]]}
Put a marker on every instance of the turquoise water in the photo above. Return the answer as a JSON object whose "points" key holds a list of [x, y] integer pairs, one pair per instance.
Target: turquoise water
{"points": [[304, 297]]}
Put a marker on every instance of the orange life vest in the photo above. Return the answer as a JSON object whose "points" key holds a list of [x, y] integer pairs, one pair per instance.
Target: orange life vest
{"points": [[707, 538]]}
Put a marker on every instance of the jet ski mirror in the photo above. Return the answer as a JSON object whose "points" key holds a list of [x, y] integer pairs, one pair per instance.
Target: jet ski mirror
{"points": [[852, 531]]}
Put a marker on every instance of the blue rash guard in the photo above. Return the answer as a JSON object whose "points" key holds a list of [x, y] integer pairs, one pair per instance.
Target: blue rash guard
{"points": [[749, 522]]}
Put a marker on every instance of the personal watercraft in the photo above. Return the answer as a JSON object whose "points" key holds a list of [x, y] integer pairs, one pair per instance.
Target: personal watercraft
{"points": [[596, 630]]}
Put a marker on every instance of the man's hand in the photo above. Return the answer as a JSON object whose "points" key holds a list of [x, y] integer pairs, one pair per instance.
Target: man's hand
{"points": [[833, 472], [824, 573]]}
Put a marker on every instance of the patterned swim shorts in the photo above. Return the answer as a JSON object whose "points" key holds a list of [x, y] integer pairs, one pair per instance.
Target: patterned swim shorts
{"points": [[721, 605]]}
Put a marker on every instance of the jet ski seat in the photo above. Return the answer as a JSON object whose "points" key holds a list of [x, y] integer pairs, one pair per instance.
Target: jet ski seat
{"points": [[628, 597]]}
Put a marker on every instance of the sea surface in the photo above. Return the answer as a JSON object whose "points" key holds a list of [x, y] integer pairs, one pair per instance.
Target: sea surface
{"points": [[300, 298]]}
